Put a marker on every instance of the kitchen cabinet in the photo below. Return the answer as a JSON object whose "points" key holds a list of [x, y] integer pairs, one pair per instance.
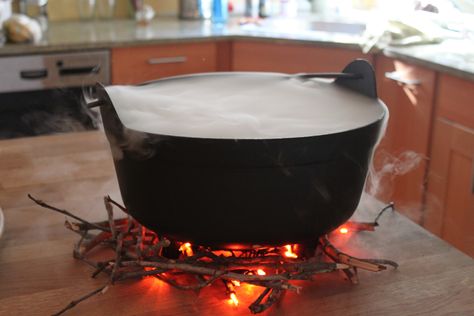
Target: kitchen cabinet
{"points": [[136, 64], [449, 209], [400, 162], [291, 58]]}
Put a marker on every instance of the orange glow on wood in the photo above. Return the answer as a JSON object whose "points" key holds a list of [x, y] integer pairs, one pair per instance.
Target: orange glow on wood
{"points": [[223, 253], [289, 252], [261, 272], [186, 249], [233, 299]]}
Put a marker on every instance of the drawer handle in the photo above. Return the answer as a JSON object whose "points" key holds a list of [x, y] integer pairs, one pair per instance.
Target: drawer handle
{"points": [[167, 60], [79, 70], [398, 77], [33, 74]]}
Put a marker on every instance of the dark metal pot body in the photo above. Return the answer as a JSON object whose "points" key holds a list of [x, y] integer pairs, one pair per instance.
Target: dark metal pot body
{"points": [[226, 191]]}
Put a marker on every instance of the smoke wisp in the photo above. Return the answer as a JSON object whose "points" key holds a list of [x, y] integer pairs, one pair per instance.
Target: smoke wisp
{"points": [[392, 167]]}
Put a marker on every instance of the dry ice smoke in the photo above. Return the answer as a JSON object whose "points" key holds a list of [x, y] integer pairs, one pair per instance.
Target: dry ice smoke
{"points": [[42, 122], [392, 166], [242, 106], [65, 110], [139, 145], [34, 113]]}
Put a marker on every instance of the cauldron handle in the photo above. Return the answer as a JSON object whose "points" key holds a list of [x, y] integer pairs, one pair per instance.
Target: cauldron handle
{"points": [[102, 98], [114, 129], [365, 84], [358, 76]]}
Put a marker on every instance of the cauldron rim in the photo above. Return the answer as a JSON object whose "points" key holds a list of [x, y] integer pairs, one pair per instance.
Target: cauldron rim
{"points": [[106, 100]]}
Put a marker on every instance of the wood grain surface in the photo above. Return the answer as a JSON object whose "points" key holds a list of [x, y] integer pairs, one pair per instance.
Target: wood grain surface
{"points": [[38, 275]]}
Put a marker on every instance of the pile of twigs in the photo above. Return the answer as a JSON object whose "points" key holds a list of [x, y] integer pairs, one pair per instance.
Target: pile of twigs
{"points": [[140, 253]]}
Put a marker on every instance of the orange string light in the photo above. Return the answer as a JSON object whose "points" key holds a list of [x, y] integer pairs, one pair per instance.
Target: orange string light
{"points": [[343, 230], [186, 249], [261, 272], [289, 252], [233, 299], [235, 282]]}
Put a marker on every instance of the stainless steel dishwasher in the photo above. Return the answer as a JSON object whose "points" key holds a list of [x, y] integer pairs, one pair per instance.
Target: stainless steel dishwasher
{"points": [[45, 94]]}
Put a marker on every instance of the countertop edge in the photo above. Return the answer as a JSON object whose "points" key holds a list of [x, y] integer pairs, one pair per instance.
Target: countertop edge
{"points": [[12, 50], [28, 49], [429, 64]]}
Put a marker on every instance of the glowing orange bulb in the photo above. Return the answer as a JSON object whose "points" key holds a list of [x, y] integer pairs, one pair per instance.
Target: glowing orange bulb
{"points": [[261, 272], [233, 299], [343, 230], [289, 252], [186, 249]]}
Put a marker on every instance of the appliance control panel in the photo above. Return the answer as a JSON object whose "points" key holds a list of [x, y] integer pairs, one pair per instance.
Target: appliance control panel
{"points": [[50, 71]]}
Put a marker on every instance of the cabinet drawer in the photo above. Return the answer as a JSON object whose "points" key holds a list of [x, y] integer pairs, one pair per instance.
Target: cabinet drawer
{"points": [[132, 65], [455, 100], [291, 58]]}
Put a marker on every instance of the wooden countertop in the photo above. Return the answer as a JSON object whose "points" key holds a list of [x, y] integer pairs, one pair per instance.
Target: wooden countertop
{"points": [[38, 275]]}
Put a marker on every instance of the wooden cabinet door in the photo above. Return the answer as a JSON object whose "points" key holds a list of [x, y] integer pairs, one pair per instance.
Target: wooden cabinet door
{"points": [[291, 58], [409, 99], [449, 209], [132, 65], [450, 200], [455, 100]]}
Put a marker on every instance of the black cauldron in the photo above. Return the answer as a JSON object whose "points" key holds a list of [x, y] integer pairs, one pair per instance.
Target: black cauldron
{"points": [[246, 191]]}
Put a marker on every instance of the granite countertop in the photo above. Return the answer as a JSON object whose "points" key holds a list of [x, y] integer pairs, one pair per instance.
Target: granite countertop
{"points": [[455, 57], [77, 35], [451, 56]]}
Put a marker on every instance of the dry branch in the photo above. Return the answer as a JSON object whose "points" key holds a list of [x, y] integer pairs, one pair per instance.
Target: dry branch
{"points": [[138, 253]]}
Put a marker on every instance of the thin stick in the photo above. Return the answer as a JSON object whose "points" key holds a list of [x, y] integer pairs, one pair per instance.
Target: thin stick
{"points": [[110, 216], [140, 274], [101, 266], [272, 295], [384, 262], [118, 256], [344, 258], [109, 199], [260, 299], [212, 272], [75, 302], [197, 286], [137, 250], [45, 205], [139, 245]]}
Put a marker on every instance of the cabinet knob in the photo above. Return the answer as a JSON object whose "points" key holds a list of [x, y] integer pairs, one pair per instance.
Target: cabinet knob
{"points": [[398, 77]]}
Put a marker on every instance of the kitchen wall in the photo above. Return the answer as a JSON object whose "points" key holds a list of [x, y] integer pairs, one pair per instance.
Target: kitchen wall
{"points": [[63, 10]]}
